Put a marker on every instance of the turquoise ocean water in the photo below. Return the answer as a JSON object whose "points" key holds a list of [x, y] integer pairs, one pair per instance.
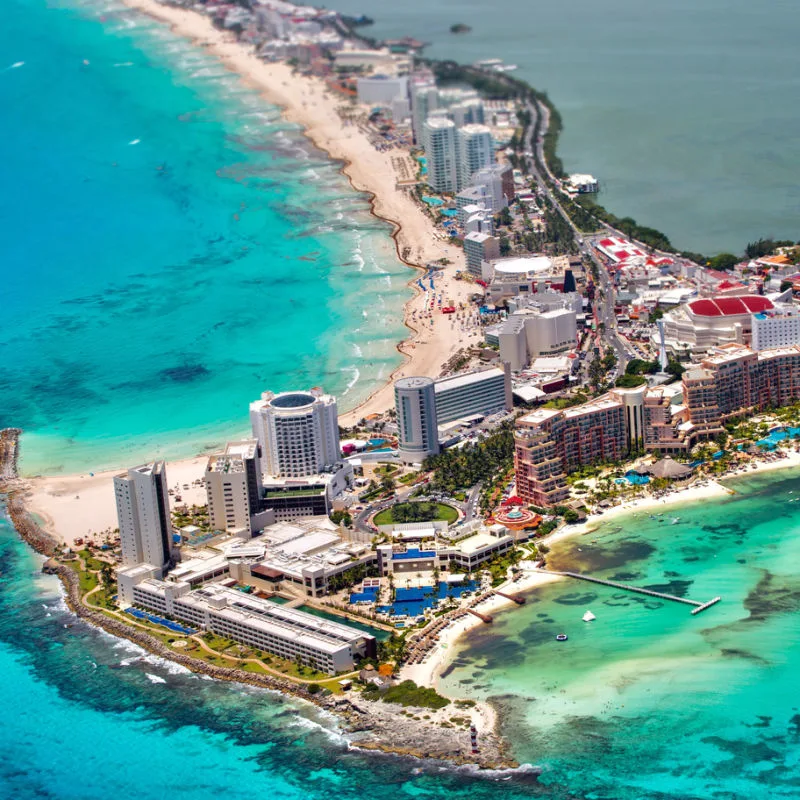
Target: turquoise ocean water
{"points": [[648, 701], [686, 111], [645, 703], [169, 248]]}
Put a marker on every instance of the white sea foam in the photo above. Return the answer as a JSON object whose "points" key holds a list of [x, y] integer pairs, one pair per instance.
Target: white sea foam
{"points": [[353, 381], [154, 678], [169, 666], [359, 353]]}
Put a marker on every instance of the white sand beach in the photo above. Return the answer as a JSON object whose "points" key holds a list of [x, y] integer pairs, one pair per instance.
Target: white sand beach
{"points": [[308, 102], [74, 507]]}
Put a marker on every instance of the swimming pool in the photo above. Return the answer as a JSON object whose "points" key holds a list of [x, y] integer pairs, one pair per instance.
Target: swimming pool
{"points": [[412, 602], [432, 201], [778, 435], [380, 634]]}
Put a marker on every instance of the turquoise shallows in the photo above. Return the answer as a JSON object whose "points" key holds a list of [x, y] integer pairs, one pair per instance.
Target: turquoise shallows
{"points": [[649, 701], [170, 246]]}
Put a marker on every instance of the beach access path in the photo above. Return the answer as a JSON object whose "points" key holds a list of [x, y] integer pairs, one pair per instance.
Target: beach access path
{"points": [[309, 102]]}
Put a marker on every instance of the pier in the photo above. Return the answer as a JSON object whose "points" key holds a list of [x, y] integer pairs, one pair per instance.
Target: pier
{"points": [[482, 617], [625, 587], [514, 598]]}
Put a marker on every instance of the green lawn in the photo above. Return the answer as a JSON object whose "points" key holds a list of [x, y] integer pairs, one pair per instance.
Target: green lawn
{"points": [[437, 511]]}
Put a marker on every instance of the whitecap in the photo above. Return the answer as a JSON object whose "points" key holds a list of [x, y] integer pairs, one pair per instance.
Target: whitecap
{"points": [[154, 678], [171, 667], [353, 381]]}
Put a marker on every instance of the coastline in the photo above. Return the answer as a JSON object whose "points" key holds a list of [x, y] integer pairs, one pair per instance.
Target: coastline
{"points": [[429, 671], [307, 102], [366, 725]]}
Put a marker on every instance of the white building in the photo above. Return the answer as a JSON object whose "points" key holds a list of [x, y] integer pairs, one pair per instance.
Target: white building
{"points": [[145, 528], [483, 392], [381, 90], [475, 151], [415, 402], [234, 488], [468, 112], [298, 432], [285, 632], [496, 183], [582, 184], [530, 334], [479, 248], [778, 327], [424, 99], [439, 141], [709, 322]]}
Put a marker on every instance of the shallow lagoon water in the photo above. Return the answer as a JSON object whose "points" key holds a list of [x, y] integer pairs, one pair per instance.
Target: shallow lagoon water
{"points": [[648, 700]]}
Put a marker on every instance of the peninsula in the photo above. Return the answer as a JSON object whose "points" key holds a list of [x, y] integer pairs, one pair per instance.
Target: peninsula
{"points": [[561, 368]]}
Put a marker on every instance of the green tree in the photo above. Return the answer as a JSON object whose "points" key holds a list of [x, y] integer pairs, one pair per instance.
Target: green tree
{"points": [[724, 261]]}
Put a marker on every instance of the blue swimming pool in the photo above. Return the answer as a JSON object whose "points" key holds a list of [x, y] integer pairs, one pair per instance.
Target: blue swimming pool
{"points": [[778, 435], [432, 201], [166, 623], [449, 212], [412, 602], [633, 478]]}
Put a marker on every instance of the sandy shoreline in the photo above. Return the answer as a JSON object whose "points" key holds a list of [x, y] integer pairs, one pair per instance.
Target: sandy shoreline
{"points": [[308, 102], [430, 670]]}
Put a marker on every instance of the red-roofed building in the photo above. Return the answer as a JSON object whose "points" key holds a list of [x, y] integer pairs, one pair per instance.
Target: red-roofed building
{"points": [[709, 322]]}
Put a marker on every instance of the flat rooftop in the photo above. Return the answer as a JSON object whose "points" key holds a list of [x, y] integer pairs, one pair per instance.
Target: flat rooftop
{"points": [[467, 379], [478, 541]]}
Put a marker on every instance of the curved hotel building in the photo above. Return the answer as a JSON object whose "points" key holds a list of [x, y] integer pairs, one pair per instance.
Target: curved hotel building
{"points": [[415, 401], [298, 432]]}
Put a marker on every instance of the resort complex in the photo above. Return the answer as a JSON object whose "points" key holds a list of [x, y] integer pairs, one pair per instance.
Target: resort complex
{"points": [[558, 366]]}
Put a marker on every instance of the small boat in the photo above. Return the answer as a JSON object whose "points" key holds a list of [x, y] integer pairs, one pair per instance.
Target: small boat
{"points": [[676, 520], [588, 616], [562, 637]]}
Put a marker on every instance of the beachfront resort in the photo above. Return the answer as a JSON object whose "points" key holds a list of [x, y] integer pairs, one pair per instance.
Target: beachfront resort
{"points": [[568, 370]]}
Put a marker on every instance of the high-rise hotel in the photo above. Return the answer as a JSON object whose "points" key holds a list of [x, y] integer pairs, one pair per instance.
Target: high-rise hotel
{"points": [[145, 529]]}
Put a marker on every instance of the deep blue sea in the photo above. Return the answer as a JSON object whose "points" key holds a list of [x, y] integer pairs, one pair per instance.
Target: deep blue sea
{"points": [[169, 246]]}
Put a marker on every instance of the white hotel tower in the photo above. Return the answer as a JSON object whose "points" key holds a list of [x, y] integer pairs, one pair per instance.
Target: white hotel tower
{"points": [[145, 529], [298, 432], [475, 151], [439, 141]]}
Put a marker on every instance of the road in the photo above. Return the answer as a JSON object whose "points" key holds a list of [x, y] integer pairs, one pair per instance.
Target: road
{"points": [[469, 507], [604, 299]]}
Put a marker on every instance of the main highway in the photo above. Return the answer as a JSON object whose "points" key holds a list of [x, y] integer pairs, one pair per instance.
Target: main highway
{"points": [[604, 299]]}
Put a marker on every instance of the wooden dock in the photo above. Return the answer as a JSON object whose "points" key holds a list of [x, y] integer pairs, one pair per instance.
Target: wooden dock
{"points": [[482, 617], [514, 598], [625, 587]]}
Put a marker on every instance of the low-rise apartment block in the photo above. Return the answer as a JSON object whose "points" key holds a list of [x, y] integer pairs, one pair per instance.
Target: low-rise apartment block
{"points": [[285, 632]]}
